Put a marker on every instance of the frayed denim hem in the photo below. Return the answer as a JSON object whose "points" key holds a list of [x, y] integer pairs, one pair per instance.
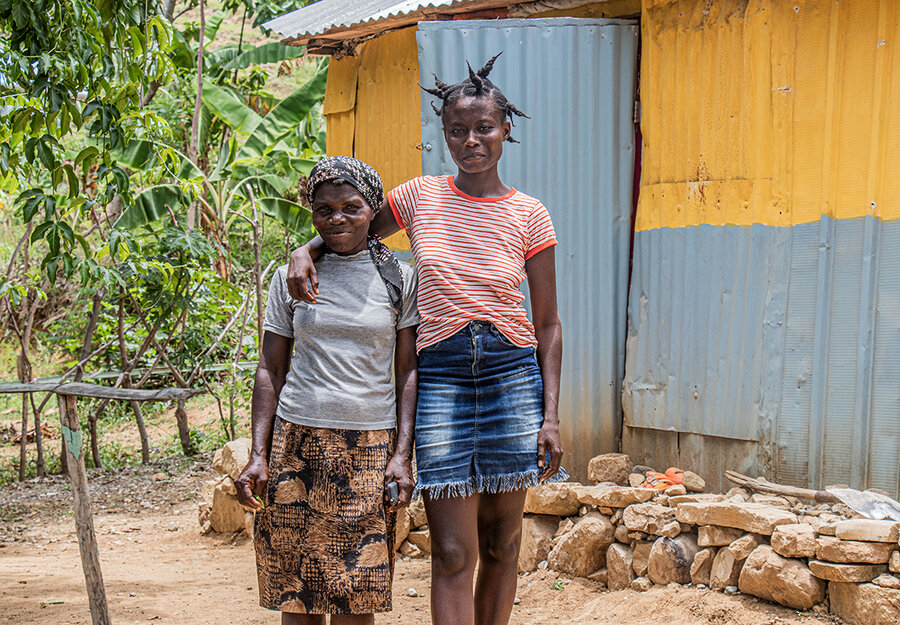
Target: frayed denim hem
{"points": [[503, 483]]}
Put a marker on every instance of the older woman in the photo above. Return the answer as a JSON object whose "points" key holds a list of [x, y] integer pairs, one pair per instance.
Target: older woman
{"points": [[325, 415]]}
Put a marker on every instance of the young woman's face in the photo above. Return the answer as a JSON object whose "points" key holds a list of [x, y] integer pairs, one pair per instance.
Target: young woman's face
{"points": [[475, 129], [342, 216]]}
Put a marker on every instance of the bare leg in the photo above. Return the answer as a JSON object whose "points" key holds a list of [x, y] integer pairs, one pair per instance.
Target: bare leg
{"points": [[288, 618], [499, 537], [453, 522]]}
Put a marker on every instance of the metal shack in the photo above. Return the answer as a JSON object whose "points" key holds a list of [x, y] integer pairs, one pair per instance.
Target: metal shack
{"points": [[719, 174]]}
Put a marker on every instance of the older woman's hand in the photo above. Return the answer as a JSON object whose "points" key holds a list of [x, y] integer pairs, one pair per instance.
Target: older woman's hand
{"points": [[252, 481], [399, 469]]}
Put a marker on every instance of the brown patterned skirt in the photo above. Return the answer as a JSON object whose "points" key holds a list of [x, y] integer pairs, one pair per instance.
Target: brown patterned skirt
{"points": [[324, 541]]}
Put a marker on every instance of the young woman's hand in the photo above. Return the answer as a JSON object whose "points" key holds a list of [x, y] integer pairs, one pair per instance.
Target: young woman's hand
{"points": [[302, 280], [399, 470], [548, 441], [252, 481]]}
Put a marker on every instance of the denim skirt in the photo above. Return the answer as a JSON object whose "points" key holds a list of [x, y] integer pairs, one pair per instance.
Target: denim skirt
{"points": [[480, 408]]}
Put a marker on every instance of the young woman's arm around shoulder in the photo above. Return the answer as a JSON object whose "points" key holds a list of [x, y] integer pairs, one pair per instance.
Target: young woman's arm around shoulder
{"points": [[271, 373], [541, 271], [406, 377]]}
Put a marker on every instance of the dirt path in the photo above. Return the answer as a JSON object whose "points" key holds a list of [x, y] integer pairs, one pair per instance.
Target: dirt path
{"points": [[158, 568]]}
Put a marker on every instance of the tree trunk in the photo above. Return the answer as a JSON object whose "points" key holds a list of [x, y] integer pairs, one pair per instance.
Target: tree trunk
{"points": [[23, 450], [38, 438], [184, 428], [194, 147], [95, 440], [142, 429]]}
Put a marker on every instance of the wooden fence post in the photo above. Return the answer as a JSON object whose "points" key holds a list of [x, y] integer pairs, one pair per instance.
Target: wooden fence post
{"points": [[84, 523]]}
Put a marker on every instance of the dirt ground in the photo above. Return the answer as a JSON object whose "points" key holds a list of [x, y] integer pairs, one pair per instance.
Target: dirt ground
{"points": [[159, 568]]}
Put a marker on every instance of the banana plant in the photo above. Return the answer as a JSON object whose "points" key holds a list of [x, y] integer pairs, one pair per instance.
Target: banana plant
{"points": [[262, 162]]}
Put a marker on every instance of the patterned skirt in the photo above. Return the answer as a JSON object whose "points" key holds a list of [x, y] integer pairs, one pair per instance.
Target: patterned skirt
{"points": [[324, 541]]}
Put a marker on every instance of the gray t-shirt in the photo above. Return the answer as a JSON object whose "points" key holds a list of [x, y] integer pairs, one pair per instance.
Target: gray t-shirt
{"points": [[341, 369]]}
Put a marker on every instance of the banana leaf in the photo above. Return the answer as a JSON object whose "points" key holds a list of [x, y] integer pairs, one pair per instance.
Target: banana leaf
{"points": [[230, 108], [150, 205], [284, 117], [273, 52], [142, 154], [292, 215], [263, 185], [212, 26]]}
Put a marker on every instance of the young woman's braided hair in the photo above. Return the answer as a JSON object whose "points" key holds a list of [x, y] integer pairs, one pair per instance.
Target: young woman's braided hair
{"points": [[477, 84]]}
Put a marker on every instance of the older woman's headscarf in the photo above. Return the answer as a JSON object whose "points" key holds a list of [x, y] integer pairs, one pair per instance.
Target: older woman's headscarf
{"points": [[364, 178]]}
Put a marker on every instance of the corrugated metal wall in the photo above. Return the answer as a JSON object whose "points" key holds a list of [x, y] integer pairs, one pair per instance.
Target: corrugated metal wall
{"points": [[575, 78], [764, 314], [372, 109]]}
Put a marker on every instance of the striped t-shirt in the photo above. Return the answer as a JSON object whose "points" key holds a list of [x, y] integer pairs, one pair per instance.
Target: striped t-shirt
{"points": [[470, 255]]}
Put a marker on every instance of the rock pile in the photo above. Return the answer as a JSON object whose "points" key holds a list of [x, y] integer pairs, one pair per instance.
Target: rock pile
{"points": [[219, 508], [776, 548]]}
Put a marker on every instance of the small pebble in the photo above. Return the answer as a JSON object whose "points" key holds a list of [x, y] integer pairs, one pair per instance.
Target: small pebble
{"points": [[517, 601], [732, 590], [412, 592]]}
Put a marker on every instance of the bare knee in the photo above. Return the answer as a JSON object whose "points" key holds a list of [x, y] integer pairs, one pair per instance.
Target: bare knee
{"points": [[450, 556], [500, 544]]}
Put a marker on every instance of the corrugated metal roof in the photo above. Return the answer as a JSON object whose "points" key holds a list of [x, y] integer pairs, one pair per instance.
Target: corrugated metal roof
{"points": [[559, 70], [325, 16]]}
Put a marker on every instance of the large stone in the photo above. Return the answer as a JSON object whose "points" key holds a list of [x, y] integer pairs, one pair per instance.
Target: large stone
{"points": [[619, 569], [744, 546], [894, 562], [671, 559], [641, 584], [702, 566], [869, 530], [226, 514], [694, 497], [865, 604], [537, 532], [693, 482], [641, 557], [794, 541], [726, 570], [786, 581], [612, 496], [556, 498], [232, 458], [636, 479], [852, 551], [676, 490], [416, 512], [886, 580], [421, 539], [755, 518], [401, 529], [716, 536], [409, 550], [771, 500], [610, 468], [846, 572], [583, 550], [651, 519], [622, 534]]}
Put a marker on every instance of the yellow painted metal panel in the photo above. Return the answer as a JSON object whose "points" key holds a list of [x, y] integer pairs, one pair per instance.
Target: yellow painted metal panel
{"points": [[339, 131], [340, 92], [388, 126], [769, 112]]}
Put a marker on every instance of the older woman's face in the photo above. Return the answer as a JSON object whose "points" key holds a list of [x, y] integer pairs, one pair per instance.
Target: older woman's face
{"points": [[342, 216]]}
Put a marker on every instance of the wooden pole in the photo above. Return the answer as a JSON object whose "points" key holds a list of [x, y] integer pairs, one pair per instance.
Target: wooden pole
{"points": [[84, 522]]}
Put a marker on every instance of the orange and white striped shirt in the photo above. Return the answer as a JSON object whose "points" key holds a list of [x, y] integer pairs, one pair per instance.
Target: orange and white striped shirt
{"points": [[470, 255]]}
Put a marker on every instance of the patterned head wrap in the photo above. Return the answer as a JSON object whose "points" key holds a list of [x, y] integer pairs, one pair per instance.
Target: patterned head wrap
{"points": [[364, 178], [341, 169]]}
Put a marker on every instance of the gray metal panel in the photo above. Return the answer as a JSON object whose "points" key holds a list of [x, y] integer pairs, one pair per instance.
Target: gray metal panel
{"points": [[789, 336], [575, 78], [702, 327]]}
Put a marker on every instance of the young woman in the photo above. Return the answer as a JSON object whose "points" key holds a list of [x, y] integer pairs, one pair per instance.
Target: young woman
{"points": [[487, 425], [325, 415]]}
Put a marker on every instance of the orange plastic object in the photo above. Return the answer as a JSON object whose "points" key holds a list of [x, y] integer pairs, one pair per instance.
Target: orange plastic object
{"points": [[675, 474], [659, 481]]}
